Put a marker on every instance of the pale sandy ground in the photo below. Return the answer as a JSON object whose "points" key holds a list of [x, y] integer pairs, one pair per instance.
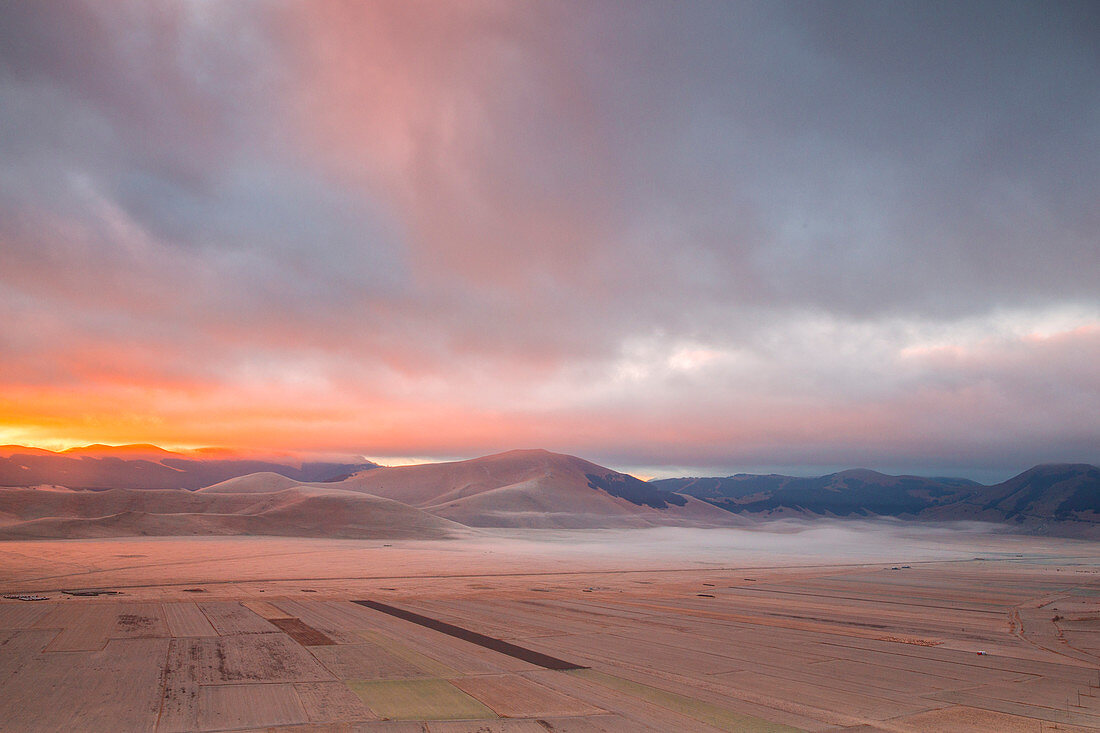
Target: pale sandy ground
{"points": [[791, 626]]}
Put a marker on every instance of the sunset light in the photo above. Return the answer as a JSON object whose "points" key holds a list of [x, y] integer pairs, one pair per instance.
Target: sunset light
{"points": [[590, 366], [362, 227]]}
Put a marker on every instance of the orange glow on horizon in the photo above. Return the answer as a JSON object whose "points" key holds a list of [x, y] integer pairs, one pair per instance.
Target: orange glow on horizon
{"points": [[469, 418]]}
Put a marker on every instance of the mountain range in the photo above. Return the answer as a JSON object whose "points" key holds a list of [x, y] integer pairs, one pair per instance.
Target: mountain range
{"points": [[135, 490], [1061, 498], [150, 467]]}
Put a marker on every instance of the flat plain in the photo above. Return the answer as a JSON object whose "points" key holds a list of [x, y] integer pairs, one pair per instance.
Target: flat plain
{"points": [[820, 627]]}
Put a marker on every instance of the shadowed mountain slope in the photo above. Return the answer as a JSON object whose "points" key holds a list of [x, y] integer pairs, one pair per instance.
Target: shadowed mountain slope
{"points": [[1056, 498], [856, 491], [1060, 492]]}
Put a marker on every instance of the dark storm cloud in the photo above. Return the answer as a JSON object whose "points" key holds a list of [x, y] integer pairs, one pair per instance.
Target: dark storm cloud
{"points": [[873, 158]]}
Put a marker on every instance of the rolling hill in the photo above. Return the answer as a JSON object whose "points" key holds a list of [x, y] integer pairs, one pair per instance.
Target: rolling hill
{"points": [[534, 488], [516, 489], [149, 467], [301, 511]]}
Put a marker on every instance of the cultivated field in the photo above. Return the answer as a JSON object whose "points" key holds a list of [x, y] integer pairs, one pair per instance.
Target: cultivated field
{"points": [[800, 627]]}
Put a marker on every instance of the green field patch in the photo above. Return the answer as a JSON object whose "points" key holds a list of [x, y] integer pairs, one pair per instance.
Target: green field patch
{"points": [[702, 711], [431, 666], [429, 699]]}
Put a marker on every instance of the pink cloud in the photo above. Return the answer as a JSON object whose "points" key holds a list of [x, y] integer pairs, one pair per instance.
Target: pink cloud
{"points": [[443, 229]]}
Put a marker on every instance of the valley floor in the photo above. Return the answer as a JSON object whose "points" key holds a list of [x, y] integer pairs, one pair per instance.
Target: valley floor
{"points": [[787, 627]]}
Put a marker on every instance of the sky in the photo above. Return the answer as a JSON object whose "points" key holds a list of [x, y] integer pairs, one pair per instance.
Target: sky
{"points": [[669, 237]]}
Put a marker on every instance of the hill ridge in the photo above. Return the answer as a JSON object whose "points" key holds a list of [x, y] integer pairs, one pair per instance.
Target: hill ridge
{"points": [[529, 487], [1066, 493]]}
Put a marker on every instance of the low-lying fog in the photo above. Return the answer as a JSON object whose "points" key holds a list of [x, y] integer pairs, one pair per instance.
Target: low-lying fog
{"points": [[132, 562], [778, 542]]}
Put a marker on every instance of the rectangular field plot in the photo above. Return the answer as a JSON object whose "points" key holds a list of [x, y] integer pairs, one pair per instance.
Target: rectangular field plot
{"points": [[83, 626], [327, 702], [365, 662], [139, 621], [187, 619], [117, 688], [246, 658], [301, 633], [22, 615], [223, 707], [264, 609], [1052, 709], [230, 618], [19, 648], [825, 697], [432, 666], [515, 697], [428, 699], [339, 620], [704, 712], [960, 718]]}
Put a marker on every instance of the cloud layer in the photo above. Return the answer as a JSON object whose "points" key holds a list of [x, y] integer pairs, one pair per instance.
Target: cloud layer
{"points": [[716, 236]]}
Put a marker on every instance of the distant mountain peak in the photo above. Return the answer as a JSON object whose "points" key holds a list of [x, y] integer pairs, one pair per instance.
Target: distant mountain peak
{"points": [[862, 473], [132, 449], [520, 452]]}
